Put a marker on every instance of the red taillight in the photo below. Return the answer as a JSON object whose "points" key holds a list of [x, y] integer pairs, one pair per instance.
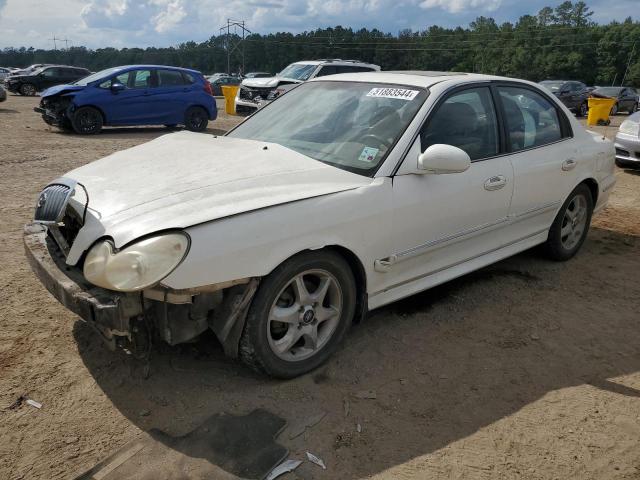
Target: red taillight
{"points": [[207, 87]]}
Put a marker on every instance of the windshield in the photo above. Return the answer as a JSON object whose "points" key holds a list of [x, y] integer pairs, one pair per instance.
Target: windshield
{"points": [[553, 86], [349, 125], [608, 91], [97, 76], [298, 71]]}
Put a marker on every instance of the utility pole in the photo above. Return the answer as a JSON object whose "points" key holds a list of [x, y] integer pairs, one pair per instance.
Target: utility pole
{"points": [[633, 50], [55, 45], [234, 41], [66, 43]]}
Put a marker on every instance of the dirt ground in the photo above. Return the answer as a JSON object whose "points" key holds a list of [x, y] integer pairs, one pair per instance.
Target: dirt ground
{"points": [[526, 369]]}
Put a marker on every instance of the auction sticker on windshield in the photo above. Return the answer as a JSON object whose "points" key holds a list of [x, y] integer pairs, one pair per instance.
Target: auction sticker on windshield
{"points": [[368, 154], [401, 93]]}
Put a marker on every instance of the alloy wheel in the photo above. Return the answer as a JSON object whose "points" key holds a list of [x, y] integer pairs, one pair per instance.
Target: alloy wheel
{"points": [[574, 222], [304, 316], [28, 90]]}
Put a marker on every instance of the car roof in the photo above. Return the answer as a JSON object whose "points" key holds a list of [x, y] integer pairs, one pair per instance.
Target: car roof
{"points": [[166, 67], [424, 79], [336, 61]]}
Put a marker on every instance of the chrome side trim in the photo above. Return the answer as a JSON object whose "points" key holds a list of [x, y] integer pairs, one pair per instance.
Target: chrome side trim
{"points": [[453, 265], [535, 211], [433, 243], [384, 265]]}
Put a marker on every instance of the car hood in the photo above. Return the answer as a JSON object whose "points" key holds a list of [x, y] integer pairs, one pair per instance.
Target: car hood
{"points": [[269, 82], [61, 88], [185, 179]]}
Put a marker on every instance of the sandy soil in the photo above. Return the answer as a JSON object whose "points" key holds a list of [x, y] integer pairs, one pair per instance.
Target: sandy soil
{"points": [[526, 369]]}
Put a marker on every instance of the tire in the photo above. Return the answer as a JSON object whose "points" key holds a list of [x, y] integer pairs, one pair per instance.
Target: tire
{"points": [[287, 349], [28, 90], [196, 119], [614, 110], [87, 121], [634, 109], [583, 110], [570, 227]]}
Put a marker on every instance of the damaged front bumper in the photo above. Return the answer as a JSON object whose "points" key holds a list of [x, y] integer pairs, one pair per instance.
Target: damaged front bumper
{"points": [[56, 119], [106, 311], [127, 319]]}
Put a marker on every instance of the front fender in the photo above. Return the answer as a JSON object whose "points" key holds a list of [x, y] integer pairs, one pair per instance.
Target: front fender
{"points": [[254, 243]]}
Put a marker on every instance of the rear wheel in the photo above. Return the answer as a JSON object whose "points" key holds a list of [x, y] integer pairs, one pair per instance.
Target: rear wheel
{"points": [[196, 119], [28, 90], [634, 109], [570, 227], [299, 315], [87, 121]]}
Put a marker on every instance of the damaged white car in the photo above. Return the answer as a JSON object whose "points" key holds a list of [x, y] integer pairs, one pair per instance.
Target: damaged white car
{"points": [[342, 196]]}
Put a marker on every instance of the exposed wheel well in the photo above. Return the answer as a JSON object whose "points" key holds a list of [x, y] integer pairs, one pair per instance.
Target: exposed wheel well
{"points": [[593, 188], [360, 276]]}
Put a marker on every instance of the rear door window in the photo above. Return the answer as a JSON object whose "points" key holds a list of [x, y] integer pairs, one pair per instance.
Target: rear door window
{"points": [[531, 119], [169, 78]]}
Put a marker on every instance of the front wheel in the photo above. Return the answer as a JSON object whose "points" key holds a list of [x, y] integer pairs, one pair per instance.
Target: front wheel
{"points": [[570, 227], [196, 119], [299, 315], [87, 121]]}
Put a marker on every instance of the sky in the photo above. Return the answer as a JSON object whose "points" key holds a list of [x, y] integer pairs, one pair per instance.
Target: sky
{"points": [[142, 23]]}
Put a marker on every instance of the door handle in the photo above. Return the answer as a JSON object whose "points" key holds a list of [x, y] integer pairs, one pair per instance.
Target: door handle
{"points": [[569, 164], [495, 183]]}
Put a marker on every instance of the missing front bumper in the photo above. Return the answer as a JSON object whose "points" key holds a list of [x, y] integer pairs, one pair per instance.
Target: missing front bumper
{"points": [[108, 312]]}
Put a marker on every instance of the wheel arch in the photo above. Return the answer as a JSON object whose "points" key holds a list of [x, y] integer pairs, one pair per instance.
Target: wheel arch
{"points": [[357, 268], [95, 107], [360, 276], [210, 112], [593, 188]]}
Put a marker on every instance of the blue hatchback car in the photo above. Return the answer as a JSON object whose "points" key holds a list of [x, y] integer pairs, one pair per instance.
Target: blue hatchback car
{"points": [[131, 95]]}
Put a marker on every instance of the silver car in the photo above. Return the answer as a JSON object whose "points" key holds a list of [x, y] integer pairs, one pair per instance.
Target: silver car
{"points": [[628, 142]]}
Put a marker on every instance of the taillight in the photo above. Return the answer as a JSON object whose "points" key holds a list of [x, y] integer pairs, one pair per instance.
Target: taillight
{"points": [[207, 87]]}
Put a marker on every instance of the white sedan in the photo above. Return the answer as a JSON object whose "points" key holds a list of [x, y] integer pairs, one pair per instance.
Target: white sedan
{"points": [[348, 193]]}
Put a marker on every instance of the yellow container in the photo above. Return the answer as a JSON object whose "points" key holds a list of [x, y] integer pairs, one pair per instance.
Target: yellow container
{"points": [[599, 110], [229, 92]]}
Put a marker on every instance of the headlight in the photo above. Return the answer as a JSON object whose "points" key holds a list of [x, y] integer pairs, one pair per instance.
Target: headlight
{"points": [[630, 127], [137, 266]]}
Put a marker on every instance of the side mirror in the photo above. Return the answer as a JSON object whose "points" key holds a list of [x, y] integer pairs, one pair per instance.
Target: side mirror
{"points": [[117, 87], [441, 158]]}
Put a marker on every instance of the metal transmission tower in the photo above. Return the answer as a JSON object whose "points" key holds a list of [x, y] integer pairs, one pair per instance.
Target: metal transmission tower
{"points": [[236, 32]]}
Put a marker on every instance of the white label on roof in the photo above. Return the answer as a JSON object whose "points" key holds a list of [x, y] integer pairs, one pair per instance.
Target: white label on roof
{"points": [[401, 93]]}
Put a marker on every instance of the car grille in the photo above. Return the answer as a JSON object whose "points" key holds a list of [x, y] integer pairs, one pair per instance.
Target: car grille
{"points": [[250, 93], [52, 202]]}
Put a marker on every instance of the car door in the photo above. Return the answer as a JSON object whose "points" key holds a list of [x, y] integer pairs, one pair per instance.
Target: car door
{"points": [[448, 219], [134, 104], [544, 156], [50, 77], [171, 96]]}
